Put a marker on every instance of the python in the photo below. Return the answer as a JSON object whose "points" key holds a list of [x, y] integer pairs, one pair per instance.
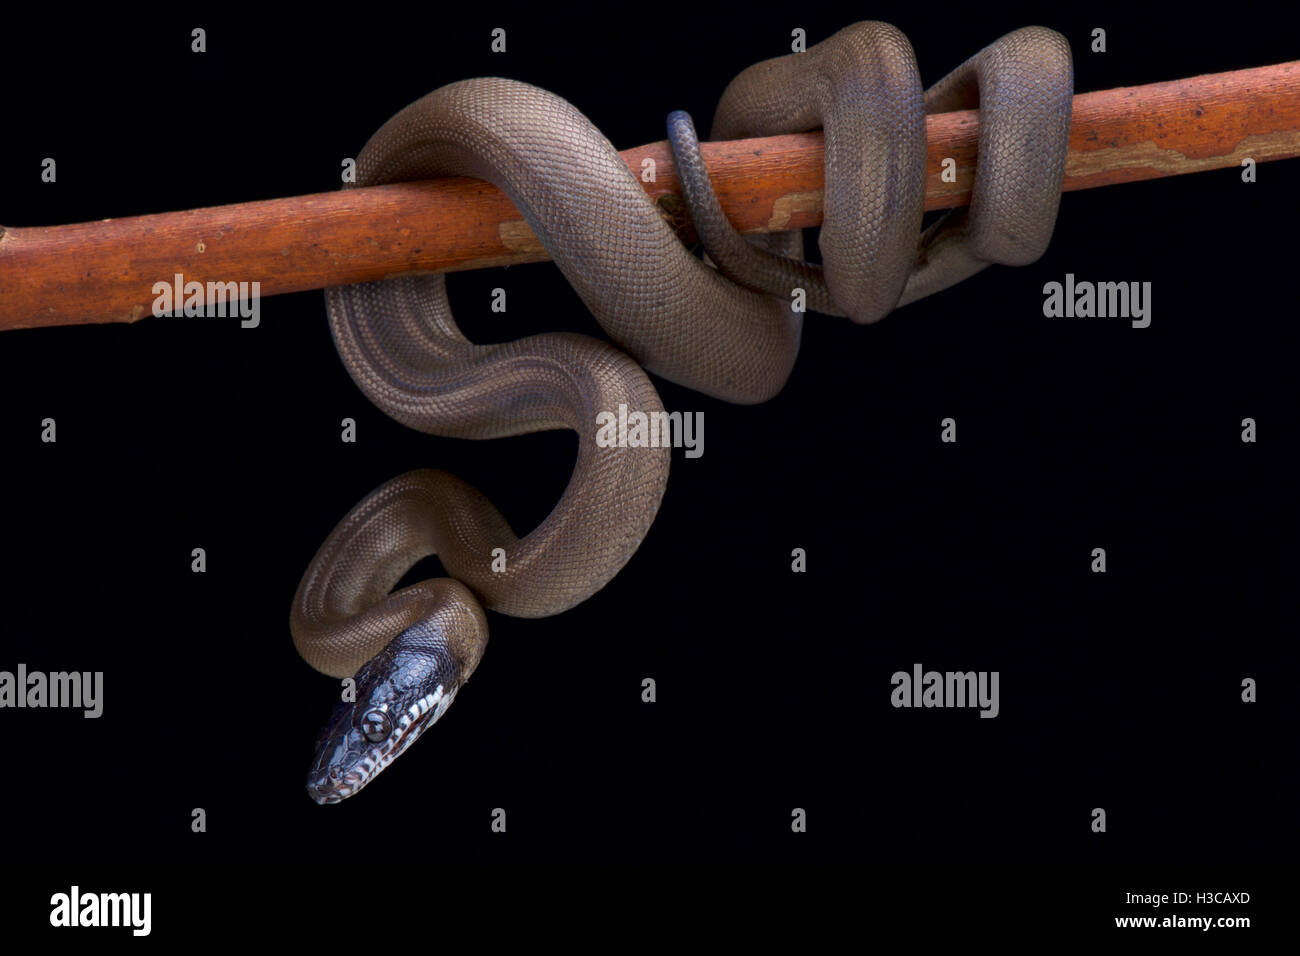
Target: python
{"points": [[722, 324]]}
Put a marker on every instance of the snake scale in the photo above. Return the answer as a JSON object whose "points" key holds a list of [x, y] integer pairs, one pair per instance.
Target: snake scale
{"points": [[724, 326]]}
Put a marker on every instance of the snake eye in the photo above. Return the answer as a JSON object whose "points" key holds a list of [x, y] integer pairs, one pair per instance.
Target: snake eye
{"points": [[376, 726]]}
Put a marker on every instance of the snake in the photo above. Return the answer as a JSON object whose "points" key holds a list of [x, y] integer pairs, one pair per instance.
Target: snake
{"points": [[723, 320]]}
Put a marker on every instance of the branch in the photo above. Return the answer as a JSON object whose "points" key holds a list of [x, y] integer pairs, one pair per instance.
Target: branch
{"points": [[105, 271]]}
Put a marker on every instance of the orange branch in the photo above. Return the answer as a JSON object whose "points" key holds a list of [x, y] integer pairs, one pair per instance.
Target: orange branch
{"points": [[105, 271]]}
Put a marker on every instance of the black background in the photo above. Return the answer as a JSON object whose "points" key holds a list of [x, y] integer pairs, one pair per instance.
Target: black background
{"points": [[1119, 690]]}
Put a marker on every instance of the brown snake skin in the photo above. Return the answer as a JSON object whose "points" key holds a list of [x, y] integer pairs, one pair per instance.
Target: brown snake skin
{"points": [[730, 331]]}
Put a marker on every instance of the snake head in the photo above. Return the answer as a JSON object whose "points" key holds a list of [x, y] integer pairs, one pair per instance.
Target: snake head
{"points": [[400, 693]]}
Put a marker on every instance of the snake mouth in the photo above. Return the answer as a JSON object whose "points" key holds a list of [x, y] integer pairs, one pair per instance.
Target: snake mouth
{"points": [[346, 770]]}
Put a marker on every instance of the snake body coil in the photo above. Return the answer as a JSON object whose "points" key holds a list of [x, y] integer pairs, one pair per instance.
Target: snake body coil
{"points": [[729, 331]]}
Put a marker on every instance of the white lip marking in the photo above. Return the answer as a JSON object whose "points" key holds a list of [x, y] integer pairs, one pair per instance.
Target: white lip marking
{"points": [[398, 741]]}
